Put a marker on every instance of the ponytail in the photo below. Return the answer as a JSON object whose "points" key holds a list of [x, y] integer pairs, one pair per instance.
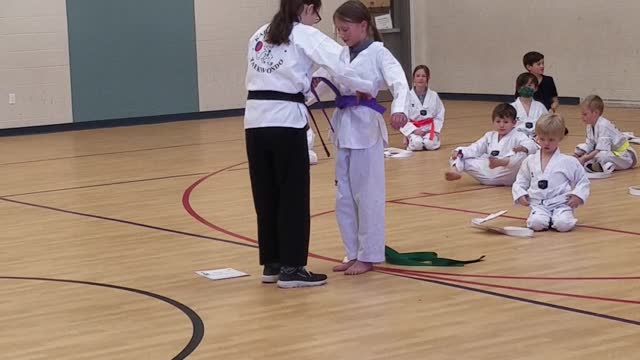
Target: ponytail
{"points": [[373, 30], [281, 25]]}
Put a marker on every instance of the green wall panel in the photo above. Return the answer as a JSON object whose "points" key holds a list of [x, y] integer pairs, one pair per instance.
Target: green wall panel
{"points": [[132, 58]]}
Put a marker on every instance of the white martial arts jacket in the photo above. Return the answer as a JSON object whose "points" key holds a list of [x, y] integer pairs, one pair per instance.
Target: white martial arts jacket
{"points": [[287, 68], [360, 127], [489, 145], [604, 136], [554, 183], [431, 108], [527, 122]]}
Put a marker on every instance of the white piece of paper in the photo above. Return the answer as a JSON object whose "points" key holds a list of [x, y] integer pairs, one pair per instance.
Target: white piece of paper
{"points": [[383, 22], [220, 274], [408, 129]]}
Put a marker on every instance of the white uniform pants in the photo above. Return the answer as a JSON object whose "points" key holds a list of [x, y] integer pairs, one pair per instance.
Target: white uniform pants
{"points": [[360, 201], [559, 217], [418, 143], [626, 160], [478, 168]]}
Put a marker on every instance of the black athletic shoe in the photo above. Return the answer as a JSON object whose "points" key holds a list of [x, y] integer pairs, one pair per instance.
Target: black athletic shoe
{"points": [[293, 277], [271, 273]]}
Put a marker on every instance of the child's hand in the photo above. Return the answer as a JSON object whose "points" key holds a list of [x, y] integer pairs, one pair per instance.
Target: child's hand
{"points": [[456, 154], [520, 148], [494, 162], [574, 201], [524, 200], [398, 120], [579, 153], [420, 132]]}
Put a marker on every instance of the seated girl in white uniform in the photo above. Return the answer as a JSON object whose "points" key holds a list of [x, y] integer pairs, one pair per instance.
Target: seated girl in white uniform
{"points": [[495, 158], [606, 148], [545, 180], [426, 113], [529, 110]]}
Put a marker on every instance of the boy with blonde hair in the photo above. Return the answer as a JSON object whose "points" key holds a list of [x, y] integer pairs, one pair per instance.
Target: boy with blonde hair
{"points": [[545, 180], [606, 148]]}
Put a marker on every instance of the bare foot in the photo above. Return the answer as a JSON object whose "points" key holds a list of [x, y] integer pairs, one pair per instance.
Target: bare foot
{"points": [[452, 175], [359, 267], [344, 266]]}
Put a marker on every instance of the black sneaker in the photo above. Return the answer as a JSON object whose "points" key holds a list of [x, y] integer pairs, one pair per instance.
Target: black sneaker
{"points": [[271, 273], [293, 277]]}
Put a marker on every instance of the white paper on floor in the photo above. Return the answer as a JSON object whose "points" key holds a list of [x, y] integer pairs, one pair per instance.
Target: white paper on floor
{"points": [[220, 274]]}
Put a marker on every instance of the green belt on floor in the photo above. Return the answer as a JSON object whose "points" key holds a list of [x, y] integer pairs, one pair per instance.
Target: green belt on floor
{"points": [[423, 259]]}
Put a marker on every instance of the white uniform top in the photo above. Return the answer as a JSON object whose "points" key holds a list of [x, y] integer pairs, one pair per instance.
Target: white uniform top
{"points": [[489, 145], [562, 172], [536, 110], [432, 105], [360, 127], [603, 136], [287, 68]]}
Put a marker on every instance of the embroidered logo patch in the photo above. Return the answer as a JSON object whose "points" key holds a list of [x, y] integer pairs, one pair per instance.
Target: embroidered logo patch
{"points": [[528, 125], [266, 58], [495, 153], [423, 112], [543, 184]]}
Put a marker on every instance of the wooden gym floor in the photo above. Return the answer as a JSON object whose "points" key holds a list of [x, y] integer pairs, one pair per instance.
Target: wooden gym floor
{"points": [[102, 231]]}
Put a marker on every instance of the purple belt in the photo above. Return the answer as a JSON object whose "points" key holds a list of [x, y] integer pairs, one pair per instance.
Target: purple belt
{"points": [[345, 101]]}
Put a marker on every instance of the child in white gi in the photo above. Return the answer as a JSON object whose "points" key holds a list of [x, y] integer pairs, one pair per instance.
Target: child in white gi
{"points": [[360, 137], [606, 148], [529, 110], [545, 180], [495, 158], [426, 113]]}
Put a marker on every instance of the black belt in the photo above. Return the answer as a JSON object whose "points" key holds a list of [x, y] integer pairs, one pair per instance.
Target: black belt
{"points": [[275, 95]]}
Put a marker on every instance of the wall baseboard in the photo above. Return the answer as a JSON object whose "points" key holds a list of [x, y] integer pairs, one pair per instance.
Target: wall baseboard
{"points": [[99, 124], [564, 100]]}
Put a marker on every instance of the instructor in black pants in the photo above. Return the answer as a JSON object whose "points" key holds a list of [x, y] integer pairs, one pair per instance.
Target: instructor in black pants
{"points": [[280, 60]]}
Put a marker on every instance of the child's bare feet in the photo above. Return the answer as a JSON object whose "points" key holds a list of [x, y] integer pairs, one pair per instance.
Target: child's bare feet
{"points": [[452, 175], [359, 267], [344, 266]]}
